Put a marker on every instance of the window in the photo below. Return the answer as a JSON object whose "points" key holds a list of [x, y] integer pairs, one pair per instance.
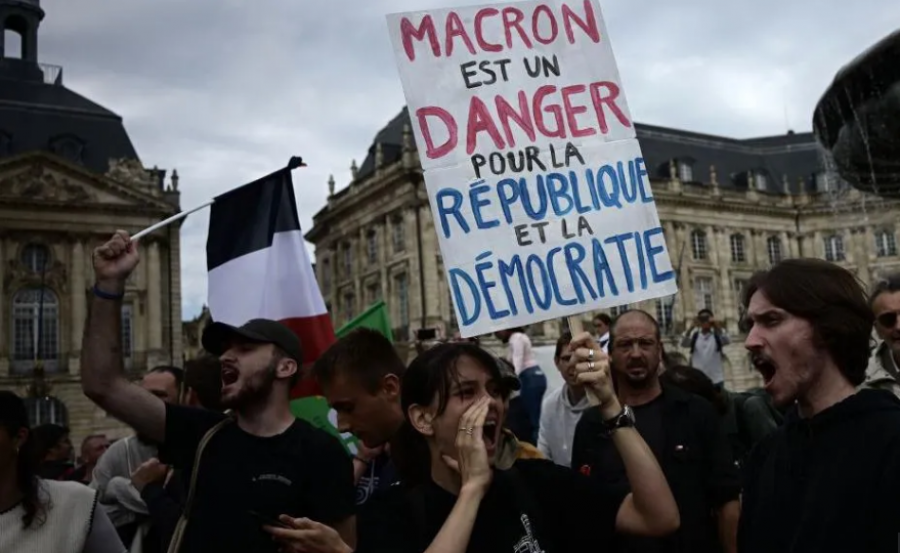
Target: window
{"points": [[401, 283], [373, 293], [664, 313], [685, 172], [703, 293], [618, 310], [349, 306], [46, 410], [834, 248], [348, 261], [739, 285], [698, 244], [760, 181], [35, 257], [885, 243], [773, 246], [35, 329], [325, 277], [738, 252], [398, 237], [127, 331], [372, 247], [68, 148]]}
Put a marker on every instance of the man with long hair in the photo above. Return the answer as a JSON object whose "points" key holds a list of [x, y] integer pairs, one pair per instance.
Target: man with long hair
{"points": [[828, 478]]}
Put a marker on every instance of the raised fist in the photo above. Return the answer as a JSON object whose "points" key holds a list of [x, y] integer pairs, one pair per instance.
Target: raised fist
{"points": [[115, 260]]}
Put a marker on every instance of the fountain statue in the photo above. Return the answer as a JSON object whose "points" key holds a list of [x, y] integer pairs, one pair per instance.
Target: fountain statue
{"points": [[857, 120]]}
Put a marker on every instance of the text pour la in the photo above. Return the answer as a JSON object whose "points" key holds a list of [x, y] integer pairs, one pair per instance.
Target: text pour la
{"points": [[521, 28]]}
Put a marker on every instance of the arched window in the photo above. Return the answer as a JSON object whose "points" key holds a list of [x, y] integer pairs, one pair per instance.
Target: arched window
{"points": [[35, 257], [698, 244], [35, 329], [68, 147], [46, 410], [885, 243]]}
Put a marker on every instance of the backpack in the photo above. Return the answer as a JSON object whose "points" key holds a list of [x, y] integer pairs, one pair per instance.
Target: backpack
{"points": [[715, 335]]}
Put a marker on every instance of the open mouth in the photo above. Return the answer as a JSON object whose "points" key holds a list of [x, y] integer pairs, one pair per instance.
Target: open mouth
{"points": [[765, 367], [489, 432], [229, 376]]}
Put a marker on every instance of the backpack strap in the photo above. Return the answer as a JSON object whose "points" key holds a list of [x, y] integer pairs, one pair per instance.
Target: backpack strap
{"points": [[181, 527]]}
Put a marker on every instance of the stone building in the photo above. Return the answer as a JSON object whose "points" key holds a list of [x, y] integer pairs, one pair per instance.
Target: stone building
{"points": [[728, 207], [69, 177]]}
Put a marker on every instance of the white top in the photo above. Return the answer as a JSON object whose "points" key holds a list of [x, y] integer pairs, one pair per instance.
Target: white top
{"points": [[66, 523], [520, 353], [558, 421]]}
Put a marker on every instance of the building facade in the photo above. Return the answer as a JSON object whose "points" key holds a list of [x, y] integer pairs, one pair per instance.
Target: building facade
{"points": [[69, 177], [728, 207]]}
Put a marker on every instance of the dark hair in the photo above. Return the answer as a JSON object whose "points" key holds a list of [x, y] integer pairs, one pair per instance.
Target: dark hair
{"points": [[607, 320], [647, 316], [364, 353], [885, 285], [45, 437], [696, 382], [177, 373], [13, 418], [431, 375], [831, 299], [705, 311], [203, 375], [564, 339]]}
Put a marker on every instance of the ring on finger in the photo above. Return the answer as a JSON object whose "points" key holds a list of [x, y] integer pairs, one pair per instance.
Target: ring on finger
{"points": [[469, 431], [590, 355], [590, 365]]}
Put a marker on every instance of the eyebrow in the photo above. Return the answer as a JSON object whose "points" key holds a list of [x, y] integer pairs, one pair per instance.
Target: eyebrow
{"points": [[767, 314]]}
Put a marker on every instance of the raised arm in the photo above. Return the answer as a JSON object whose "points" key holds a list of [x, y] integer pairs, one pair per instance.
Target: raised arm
{"points": [[650, 508], [103, 377]]}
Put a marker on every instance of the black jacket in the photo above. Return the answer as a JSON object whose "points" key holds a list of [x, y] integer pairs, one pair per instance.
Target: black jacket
{"points": [[829, 483], [697, 462]]}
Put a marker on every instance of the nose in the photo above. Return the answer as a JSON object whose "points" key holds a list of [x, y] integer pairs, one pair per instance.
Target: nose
{"points": [[754, 341]]}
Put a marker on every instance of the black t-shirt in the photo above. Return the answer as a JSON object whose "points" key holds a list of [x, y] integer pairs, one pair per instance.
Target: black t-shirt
{"points": [[536, 507], [302, 472], [649, 421], [379, 476]]}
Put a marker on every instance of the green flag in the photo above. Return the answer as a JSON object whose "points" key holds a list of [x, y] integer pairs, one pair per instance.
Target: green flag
{"points": [[375, 317], [315, 410]]}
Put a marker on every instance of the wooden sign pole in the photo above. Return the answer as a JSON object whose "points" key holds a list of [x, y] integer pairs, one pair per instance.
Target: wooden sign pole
{"points": [[576, 327]]}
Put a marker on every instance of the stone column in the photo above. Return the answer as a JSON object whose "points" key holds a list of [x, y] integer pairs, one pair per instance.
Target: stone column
{"points": [[154, 299], [79, 305], [430, 248], [726, 297]]}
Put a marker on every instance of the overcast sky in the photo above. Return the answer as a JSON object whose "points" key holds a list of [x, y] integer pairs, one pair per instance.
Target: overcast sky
{"points": [[227, 90]]}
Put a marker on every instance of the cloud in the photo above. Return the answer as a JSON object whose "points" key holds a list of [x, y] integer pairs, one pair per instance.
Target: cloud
{"points": [[227, 90]]}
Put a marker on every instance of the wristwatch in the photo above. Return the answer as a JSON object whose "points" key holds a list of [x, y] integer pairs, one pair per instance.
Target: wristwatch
{"points": [[625, 419]]}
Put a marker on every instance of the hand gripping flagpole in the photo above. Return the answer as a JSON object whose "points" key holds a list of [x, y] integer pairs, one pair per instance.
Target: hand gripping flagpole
{"points": [[294, 163]]}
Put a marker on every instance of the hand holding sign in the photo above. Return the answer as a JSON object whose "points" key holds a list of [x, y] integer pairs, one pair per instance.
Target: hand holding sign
{"points": [[592, 368]]}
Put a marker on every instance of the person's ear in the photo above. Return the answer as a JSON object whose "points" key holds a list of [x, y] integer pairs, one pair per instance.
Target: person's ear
{"points": [[390, 384], [421, 419], [286, 368]]}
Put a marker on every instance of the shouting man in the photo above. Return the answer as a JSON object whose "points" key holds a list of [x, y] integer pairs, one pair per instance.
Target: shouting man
{"points": [[256, 469], [828, 478]]}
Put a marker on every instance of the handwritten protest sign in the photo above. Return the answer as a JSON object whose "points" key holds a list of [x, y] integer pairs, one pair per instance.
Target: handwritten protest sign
{"points": [[539, 191]]}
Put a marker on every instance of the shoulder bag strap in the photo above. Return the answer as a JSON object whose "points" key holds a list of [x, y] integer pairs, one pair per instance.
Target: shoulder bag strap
{"points": [[180, 528]]}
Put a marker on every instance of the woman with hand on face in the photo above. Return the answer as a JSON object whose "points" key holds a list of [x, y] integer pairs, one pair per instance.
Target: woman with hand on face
{"points": [[454, 499]]}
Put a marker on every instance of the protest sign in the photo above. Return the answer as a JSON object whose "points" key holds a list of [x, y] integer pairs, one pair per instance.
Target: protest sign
{"points": [[539, 191]]}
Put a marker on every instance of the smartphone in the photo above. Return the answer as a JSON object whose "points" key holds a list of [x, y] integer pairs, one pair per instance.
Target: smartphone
{"points": [[267, 520]]}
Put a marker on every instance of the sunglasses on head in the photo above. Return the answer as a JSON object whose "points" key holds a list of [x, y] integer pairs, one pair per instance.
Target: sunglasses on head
{"points": [[888, 320]]}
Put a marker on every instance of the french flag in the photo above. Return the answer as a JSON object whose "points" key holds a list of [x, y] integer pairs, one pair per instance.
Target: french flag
{"points": [[259, 267]]}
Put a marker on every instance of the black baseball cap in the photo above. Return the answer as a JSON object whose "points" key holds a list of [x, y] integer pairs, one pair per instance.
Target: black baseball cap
{"points": [[217, 336], [508, 378]]}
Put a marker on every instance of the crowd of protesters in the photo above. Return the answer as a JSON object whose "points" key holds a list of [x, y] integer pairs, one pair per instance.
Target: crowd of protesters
{"points": [[465, 451]]}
